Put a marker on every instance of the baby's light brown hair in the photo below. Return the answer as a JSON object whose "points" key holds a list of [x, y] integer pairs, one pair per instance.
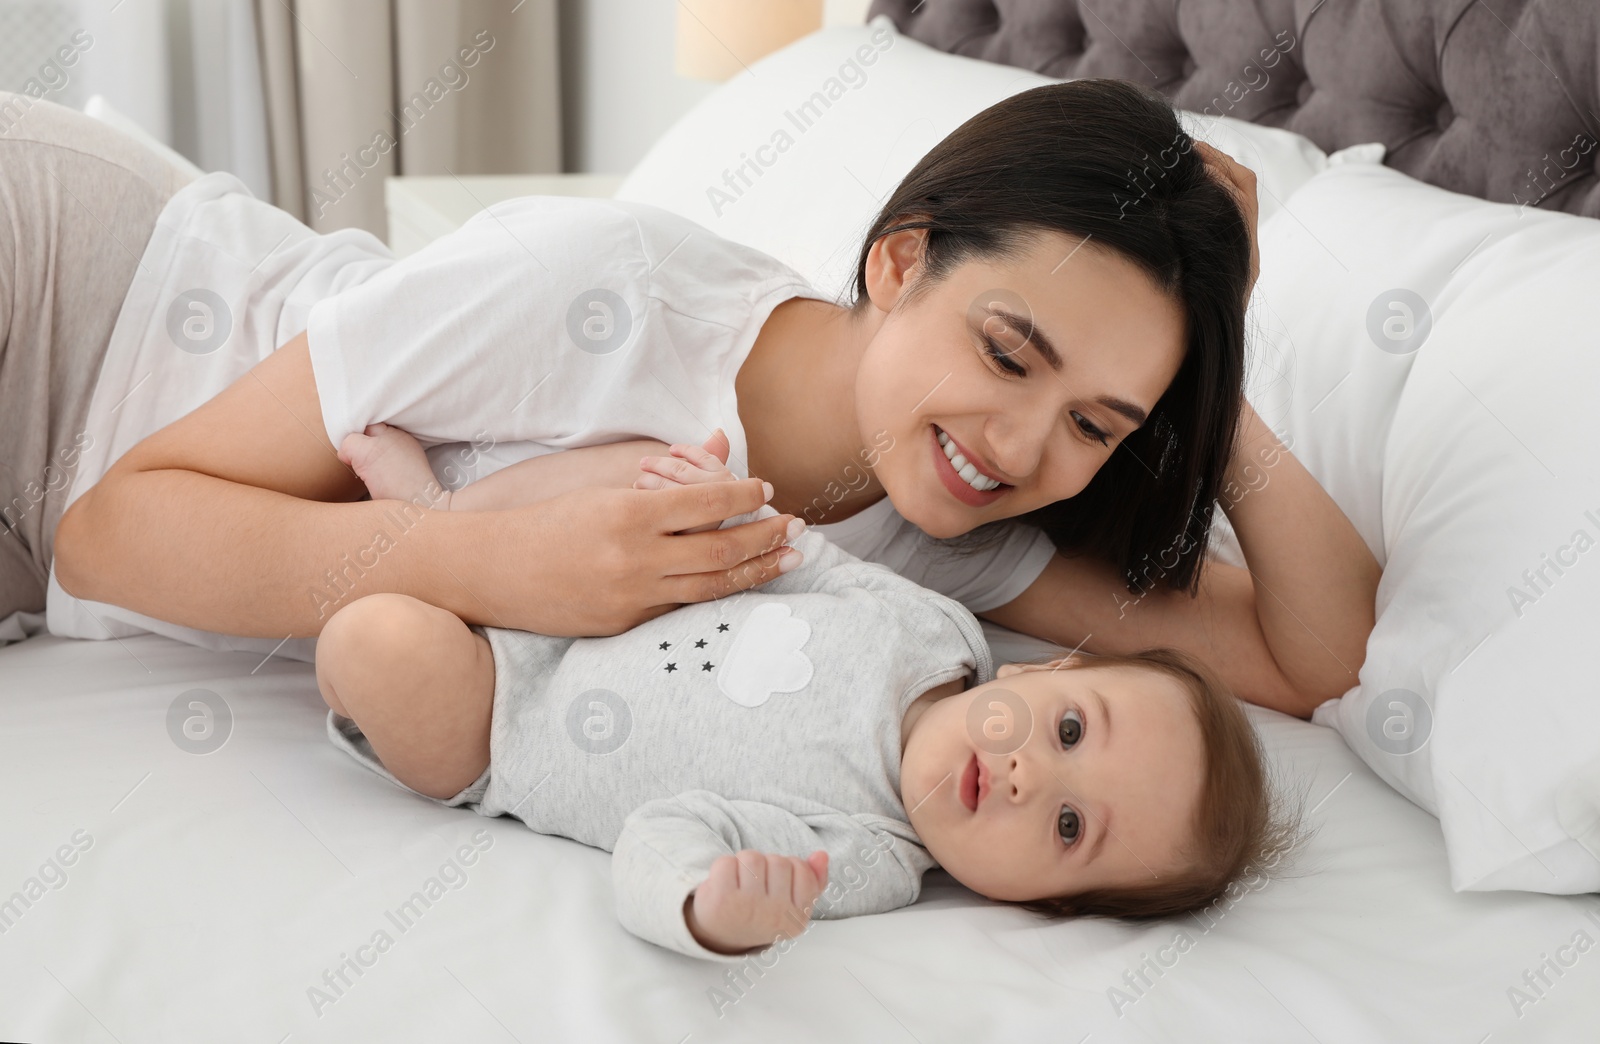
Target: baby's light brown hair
{"points": [[1238, 830]]}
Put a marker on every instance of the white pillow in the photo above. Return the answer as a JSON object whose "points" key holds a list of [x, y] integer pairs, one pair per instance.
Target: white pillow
{"points": [[1432, 356], [754, 165]]}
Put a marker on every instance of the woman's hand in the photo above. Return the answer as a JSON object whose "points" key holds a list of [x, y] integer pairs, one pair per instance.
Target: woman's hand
{"points": [[600, 561], [1241, 181], [689, 465]]}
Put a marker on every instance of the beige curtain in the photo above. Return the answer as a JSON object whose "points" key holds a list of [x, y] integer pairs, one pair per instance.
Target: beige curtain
{"points": [[358, 90]]}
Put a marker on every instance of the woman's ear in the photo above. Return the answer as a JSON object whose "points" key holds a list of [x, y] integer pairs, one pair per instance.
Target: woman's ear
{"points": [[891, 260]]}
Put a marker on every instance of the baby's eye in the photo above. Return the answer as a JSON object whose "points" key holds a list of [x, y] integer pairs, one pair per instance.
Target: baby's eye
{"points": [[1067, 825], [1071, 730]]}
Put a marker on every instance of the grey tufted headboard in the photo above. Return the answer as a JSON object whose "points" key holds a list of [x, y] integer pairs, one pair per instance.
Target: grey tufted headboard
{"points": [[1492, 98]]}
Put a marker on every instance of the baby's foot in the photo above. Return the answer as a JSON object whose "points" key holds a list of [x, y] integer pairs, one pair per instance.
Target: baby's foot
{"points": [[392, 465]]}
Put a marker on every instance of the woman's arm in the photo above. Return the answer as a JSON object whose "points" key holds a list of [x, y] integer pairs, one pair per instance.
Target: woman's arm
{"points": [[1288, 632], [238, 518]]}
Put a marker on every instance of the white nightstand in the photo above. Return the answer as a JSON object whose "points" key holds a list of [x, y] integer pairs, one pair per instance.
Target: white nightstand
{"points": [[421, 209]]}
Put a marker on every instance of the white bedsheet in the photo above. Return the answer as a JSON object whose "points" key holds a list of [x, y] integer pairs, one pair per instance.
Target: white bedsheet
{"points": [[215, 891]]}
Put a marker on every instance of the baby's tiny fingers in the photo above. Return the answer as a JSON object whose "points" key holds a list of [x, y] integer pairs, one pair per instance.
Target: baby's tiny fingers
{"points": [[700, 457], [752, 870], [780, 877], [681, 471]]}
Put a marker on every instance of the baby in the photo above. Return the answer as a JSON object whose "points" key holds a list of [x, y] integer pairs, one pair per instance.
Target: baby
{"points": [[729, 753]]}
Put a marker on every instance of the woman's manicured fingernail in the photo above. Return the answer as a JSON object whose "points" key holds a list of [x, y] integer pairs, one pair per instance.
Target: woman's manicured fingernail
{"points": [[766, 491], [796, 527], [789, 559]]}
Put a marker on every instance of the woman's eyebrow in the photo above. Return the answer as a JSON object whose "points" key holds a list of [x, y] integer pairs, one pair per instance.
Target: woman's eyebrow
{"points": [[1032, 333], [1052, 358]]}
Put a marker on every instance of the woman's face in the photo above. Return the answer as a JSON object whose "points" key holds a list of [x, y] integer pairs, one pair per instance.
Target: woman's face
{"points": [[1029, 420]]}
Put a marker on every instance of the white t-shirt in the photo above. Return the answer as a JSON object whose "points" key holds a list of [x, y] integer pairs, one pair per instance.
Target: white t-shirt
{"points": [[549, 322], [224, 281], [544, 323]]}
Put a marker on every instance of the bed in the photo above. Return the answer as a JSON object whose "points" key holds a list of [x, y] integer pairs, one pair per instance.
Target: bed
{"points": [[188, 858]]}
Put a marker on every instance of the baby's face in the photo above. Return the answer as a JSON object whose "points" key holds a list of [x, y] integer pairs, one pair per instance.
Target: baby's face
{"points": [[1051, 780]]}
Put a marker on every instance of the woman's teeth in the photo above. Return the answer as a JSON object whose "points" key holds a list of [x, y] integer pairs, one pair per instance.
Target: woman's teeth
{"points": [[969, 474]]}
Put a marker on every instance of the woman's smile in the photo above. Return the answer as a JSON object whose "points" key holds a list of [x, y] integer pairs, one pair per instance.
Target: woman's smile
{"points": [[968, 482]]}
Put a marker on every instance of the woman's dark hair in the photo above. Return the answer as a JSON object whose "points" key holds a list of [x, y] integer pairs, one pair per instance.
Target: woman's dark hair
{"points": [[1107, 161]]}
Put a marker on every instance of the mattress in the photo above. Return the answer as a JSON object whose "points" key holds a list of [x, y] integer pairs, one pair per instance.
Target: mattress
{"points": [[187, 858]]}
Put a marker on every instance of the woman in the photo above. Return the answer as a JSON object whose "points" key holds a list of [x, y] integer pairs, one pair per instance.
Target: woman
{"points": [[1072, 328]]}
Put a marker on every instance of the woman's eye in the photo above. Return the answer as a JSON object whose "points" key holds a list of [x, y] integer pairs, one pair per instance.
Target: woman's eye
{"points": [[1071, 729], [1005, 357], [1067, 825], [1089, 429]]}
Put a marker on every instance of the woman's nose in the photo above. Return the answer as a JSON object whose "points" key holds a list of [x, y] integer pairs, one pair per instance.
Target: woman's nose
{"points": [[1017, 439]]}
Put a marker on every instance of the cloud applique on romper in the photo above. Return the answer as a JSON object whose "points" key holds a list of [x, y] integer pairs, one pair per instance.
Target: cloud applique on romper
{"points": [[765, 657]]}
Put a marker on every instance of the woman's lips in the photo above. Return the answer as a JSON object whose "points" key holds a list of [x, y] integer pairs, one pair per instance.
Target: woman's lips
{"points": [[957, 485], [969, 785]]}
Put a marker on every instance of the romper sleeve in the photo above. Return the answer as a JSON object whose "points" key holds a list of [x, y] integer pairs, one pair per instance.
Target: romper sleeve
{"points": [[667, 847]]}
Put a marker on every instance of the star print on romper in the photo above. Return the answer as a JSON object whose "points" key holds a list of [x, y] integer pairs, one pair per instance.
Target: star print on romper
{"points": [[707, 665], [665, 645], [722, 627], [701, 644], [671, 667]]}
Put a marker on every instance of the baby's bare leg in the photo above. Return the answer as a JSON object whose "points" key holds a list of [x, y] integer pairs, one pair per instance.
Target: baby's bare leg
{"points": [[418, 682], [392, 464], [614, 465]]}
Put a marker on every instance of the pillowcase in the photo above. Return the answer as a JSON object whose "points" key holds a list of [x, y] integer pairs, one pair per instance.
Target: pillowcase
{"points": [[1431, 359], [795, 157]]}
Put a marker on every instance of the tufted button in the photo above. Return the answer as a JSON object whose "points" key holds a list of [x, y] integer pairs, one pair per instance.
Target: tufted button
{"points": [[1445, 116]]}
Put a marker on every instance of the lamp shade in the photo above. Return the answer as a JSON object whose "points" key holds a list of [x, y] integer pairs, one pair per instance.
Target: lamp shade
{"points": [[719, 38]]}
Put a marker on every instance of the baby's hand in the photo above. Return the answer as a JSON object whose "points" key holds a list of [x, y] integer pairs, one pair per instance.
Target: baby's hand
{"points": [[391, 463], [751, 900], [687, 466]]}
